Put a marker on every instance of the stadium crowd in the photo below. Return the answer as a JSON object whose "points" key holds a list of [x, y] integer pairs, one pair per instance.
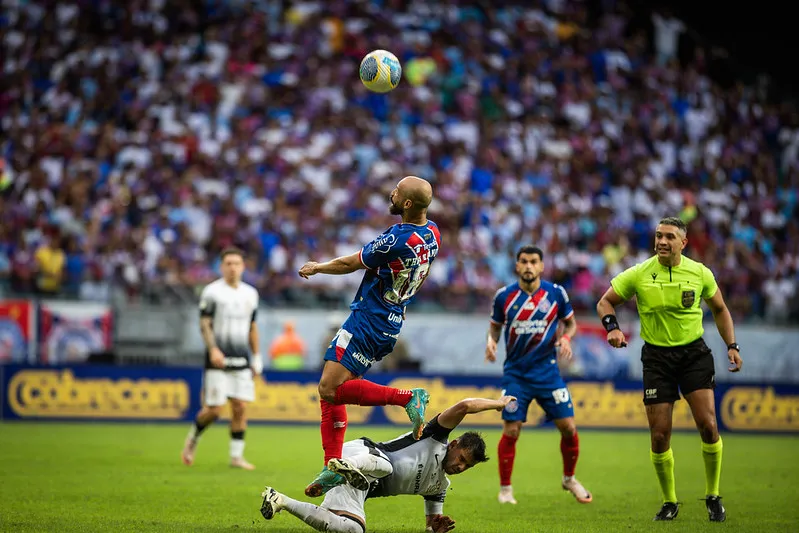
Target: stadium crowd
{"points": [[140, 138]]}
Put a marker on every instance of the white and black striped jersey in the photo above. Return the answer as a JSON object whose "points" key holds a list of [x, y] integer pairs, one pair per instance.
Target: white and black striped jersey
{"points": [[233, 310], [418, 464]]}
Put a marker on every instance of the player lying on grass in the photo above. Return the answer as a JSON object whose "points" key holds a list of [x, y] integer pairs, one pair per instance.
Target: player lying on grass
{"points": [[404, 465]]}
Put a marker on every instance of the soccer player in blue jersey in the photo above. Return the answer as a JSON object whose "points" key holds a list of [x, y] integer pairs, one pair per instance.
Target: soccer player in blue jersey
{"points": [[530, 311], [397, 263]]}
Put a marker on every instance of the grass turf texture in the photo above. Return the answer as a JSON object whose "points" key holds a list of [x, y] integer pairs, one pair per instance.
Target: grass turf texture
{"points": [[128, 477]]}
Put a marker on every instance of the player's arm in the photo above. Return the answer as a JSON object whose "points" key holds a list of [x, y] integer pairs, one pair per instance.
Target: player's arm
{"points": [[435, 520], [256, 363], [207, 310], [345, 264], [723, 319], [565, 341], [495, 326], [453, 416], [494, 332], [566, 316]]}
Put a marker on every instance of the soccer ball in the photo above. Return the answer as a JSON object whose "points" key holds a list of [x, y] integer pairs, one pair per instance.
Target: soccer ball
{"points": [[380, 71]]}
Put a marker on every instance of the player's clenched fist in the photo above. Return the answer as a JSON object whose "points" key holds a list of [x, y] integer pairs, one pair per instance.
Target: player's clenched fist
{"points": [[440, 523], [308, 269]]}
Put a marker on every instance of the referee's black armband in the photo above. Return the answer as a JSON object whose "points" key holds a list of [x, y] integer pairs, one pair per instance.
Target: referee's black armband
{"points": [[610, 322]]}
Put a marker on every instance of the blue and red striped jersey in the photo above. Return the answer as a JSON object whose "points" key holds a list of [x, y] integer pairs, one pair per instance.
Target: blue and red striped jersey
{"points": [[531, 323], [397, 263]]}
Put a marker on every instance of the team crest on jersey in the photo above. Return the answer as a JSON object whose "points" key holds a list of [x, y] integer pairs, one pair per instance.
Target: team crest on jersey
{"points": [[544, 305], [688, 298]]}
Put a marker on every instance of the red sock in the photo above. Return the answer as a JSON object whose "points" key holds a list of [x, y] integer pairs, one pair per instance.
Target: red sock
{"points": [[334, 426], [506, 451], [362, 392], [570, 449]]}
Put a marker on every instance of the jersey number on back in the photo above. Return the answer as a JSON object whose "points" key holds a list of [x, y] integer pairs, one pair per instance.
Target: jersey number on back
{"points": [[407, 283]]}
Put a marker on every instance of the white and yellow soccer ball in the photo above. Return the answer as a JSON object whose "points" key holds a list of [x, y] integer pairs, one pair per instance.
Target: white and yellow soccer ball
{"points": [[380, 71]]}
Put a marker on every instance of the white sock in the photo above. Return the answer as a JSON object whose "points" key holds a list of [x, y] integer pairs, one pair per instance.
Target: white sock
{"points": [[371, 465], [567, 478], [236, 448], [193, 436], [321, 519], [506, 488]]}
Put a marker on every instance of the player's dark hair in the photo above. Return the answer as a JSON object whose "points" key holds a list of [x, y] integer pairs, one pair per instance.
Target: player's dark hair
{"points": [[231, 251], [473, 443], [530, 249], [674, 221]]}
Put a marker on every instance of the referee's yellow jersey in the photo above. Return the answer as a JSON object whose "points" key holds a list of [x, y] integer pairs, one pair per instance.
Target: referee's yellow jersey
{"points": [[668, 299]]}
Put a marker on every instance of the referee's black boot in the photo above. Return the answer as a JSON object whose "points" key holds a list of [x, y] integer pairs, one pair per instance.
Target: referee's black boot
{"points": [[716, 512], [669, 511]]}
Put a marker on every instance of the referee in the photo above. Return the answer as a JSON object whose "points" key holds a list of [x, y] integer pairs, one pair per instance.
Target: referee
{"points": [[669, 289]]}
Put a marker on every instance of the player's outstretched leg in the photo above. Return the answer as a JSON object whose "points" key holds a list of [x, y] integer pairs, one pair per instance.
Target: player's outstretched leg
{"points": [[272, 503], [363, 392], [318, 518], [323, 482], [416, 408], [350, 472]]}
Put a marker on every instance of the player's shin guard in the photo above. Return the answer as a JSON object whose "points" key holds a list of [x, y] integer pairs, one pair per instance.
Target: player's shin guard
{"points": [[363, 392], [333, 427], [711, 453], [321, 519], [570, 450], [506, 454], [664, 468]]}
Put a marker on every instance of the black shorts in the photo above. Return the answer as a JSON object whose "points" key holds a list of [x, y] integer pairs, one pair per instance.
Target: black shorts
{"points": [[667, 369]]}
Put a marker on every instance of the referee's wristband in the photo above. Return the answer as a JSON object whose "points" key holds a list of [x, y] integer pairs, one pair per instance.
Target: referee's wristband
{"points": [[610, 322]]}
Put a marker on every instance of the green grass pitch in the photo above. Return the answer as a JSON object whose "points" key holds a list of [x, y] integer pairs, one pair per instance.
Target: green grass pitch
{"points": [[128, 477]]}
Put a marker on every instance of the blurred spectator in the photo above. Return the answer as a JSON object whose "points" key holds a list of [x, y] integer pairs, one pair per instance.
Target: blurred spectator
{"points": [[287, 350], [154, 134], [49, 261]]}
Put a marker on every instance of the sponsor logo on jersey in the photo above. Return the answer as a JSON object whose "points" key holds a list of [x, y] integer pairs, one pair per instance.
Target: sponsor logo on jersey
{"points": [[527, 327], [418, 480], [384, 243], [361, 358]]}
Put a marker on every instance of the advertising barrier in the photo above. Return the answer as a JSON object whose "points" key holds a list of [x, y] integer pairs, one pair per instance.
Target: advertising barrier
{"points": [[17, 331], [70, 332], [174, 394]]}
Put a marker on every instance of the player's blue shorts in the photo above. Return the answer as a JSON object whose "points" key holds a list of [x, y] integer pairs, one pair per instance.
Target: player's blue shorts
{"points": [[553, 397], [362, 340]]}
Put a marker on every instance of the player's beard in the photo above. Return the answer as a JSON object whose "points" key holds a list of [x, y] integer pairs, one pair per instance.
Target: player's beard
{"points": [[529, 277], [395, 209]]}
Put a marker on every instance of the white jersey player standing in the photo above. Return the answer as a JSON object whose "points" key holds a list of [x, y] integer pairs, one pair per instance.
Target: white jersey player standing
{"points": [[228, 309], [404, 465]]}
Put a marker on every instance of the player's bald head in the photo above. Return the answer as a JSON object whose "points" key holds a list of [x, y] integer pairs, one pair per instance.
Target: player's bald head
{"points": [[417, 190]]}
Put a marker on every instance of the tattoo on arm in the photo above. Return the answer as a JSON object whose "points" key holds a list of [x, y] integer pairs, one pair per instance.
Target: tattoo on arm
{"points": [[207, 331]]}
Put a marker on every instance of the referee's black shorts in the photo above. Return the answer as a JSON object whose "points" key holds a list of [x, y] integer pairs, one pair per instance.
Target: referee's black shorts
{"points": [[671, 370]]}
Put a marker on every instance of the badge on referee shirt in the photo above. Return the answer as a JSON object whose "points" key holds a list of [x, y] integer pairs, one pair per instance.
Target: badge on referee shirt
{"points": [[688, 298]]}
